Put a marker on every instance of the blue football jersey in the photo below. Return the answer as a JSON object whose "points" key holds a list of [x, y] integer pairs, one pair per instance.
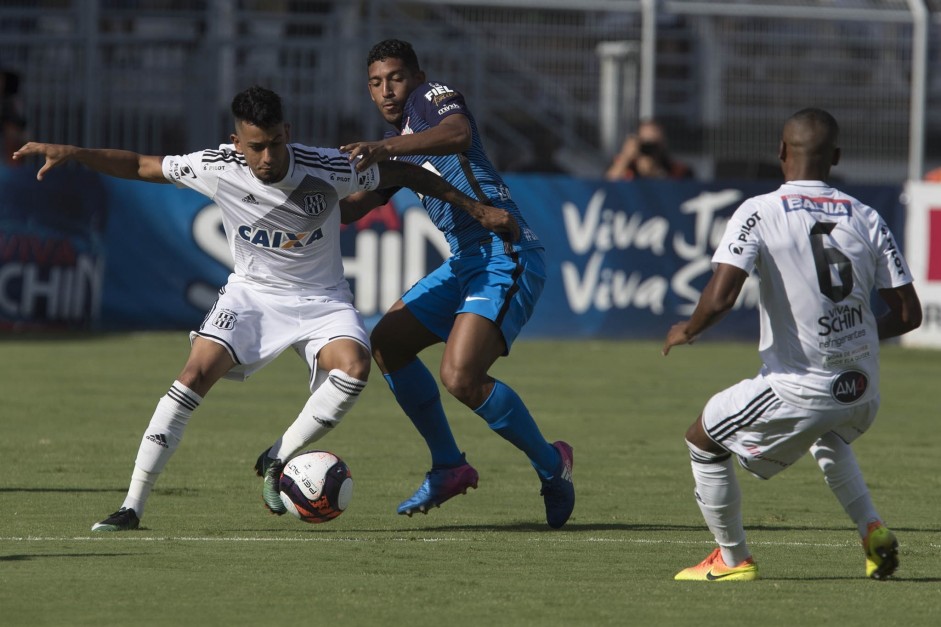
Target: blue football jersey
{"points": [[470, 171]]}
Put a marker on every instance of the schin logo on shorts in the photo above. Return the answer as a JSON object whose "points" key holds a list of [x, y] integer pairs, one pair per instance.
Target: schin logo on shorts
{"points": [[225, 319], [315, 204], [849, 386]]}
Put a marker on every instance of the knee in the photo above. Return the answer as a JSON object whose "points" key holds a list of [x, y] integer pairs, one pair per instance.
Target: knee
{"points": [[356, 366], [197, 379], [383, 347], [377, 353], [463, 385], [696, 435]]}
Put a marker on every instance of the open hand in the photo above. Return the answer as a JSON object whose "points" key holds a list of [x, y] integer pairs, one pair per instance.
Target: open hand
{"points": [[676, 336], [366, 154], [55, 154]]}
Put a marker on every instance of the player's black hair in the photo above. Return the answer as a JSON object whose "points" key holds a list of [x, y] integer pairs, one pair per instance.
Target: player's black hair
{"points": [[394, 49], [819, 118], [258, 106]]}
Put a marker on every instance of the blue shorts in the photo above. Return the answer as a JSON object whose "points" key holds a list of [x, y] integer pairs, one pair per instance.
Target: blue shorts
{"points": [[501, 288]]}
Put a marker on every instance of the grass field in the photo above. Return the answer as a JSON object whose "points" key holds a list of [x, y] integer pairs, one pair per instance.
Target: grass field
{"points": [[73, 412]]}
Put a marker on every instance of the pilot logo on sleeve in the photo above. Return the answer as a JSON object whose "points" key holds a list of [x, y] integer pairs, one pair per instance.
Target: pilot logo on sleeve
{"points": [[179, 171]]}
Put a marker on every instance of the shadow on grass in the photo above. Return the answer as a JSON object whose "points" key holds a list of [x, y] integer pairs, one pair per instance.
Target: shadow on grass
{"points": [[121, 490], [627, 526], [26, 558], [529, 527], [192, 492], [893, 579]]}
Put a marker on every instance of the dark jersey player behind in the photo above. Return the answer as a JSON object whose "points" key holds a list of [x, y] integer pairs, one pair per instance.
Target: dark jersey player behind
{"points": [[476, 302]]}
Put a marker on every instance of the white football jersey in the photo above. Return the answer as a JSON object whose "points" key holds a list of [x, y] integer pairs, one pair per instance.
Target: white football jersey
{"points": [[286, 235], [818, 254]]}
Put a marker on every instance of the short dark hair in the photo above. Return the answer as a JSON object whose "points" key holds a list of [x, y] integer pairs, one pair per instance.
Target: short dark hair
{"points": [[258, 106], [394, 49], [818, 117]]}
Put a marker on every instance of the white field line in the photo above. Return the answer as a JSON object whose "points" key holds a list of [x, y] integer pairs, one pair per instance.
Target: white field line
{"points": [[563, 539]]}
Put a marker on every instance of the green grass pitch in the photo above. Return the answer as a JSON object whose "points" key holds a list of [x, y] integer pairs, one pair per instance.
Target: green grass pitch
{"points": [[74, 409]]}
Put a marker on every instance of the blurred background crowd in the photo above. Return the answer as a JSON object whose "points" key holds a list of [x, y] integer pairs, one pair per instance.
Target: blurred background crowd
{"points": [[557, 86]]}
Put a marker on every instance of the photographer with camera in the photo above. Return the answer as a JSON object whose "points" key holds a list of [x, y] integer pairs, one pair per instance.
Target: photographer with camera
{"points": [[645, 155]]}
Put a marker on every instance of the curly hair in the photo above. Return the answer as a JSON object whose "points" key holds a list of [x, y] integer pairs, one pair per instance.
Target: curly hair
{"points": [[394, 49], [258, 106]]}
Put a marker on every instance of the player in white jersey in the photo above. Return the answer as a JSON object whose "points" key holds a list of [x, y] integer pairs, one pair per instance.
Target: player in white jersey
{"points": [[818, 254], [280, 206]]}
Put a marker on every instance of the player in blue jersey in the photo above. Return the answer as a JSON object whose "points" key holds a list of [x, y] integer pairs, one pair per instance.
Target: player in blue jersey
{"points": [[476, 302]]}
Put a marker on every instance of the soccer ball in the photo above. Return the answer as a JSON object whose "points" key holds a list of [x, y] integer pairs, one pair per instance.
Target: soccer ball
{"points": [[316, 486]]}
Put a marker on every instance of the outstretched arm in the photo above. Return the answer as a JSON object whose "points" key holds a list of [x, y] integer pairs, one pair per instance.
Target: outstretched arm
{"points": [[904, 313], [717, 299], [451, 136], [357, 205], [420, 180], [120, 163]]}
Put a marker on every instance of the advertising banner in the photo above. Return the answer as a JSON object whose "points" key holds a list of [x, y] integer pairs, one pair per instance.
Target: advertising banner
{"points": [[923, 253], [52, 249], [628, 259], [624, 260]]}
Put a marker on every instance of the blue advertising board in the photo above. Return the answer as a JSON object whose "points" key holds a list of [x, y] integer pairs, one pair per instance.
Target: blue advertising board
{"points": [[625, 259]]}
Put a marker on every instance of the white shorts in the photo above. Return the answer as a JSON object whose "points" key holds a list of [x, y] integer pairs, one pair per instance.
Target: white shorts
{"points": [[255, 327], [768, 434]]}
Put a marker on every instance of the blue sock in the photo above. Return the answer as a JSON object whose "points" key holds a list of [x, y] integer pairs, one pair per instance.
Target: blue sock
{"points": [[416, 391], [506, 414]]}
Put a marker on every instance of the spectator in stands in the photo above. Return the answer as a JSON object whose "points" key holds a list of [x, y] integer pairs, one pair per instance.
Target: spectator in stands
{"points": [[645, 155]]}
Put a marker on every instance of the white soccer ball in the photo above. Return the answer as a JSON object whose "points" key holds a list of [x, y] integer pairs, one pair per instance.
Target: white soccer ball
{"points": [[316, 486]]}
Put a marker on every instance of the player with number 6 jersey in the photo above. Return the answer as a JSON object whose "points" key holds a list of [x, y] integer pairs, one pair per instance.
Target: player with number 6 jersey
{"points": [[818, 254], [813, 330]]}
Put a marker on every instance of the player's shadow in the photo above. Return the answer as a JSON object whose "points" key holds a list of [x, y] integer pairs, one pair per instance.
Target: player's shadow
{"points": [[527, 527], [66, 490], [893, 579], [37, 556], [574, 527]]}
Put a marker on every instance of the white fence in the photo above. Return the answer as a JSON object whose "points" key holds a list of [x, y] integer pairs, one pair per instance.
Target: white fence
{"points": [[156, 76]]}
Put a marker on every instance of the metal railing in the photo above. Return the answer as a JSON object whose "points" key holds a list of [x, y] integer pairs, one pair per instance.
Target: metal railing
{"points": [[156, 76]]}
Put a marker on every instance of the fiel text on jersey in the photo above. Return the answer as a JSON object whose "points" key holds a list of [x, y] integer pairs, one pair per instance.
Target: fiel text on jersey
{"points": [[438, 92], [828, 206]]}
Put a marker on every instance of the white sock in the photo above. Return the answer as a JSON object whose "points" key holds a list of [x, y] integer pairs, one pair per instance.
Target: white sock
{"points": [[322, 412], [842, 474], [160, 440], [720, 499]]}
